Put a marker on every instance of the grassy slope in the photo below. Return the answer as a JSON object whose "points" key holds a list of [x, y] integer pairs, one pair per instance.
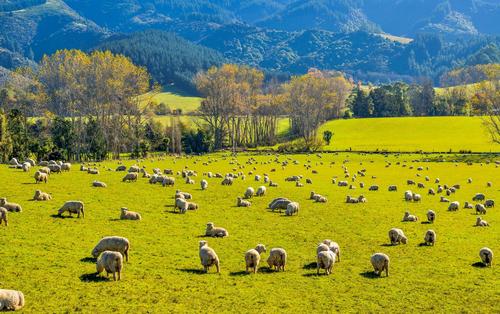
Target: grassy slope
{"points": [[45, 256]]}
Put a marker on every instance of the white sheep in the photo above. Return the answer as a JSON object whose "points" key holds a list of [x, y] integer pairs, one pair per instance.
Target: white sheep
{"points": [[417, 197], [243, 203], [431, 216], [430, 237], [330, 245], [45, 170], [213, 231], [277, 259], [392, 188], [252, 257], [131, 176], [481, 223], [183, 195], [111, 262], [98, 184], [168, 181], [292, 208], [261, 191], [113, 243], [227, 181], [489, 203], [72, 207], [397, 236], [3, 216], [408, 196], [181, 204], [480, 209], [192, 206], [126, 214], [26, 166], [41, 177], [208, 257], [454, 206], [380, 262], [325, 260], [468, 205], [41, 196], [249, 192], [279, 203], [478, 197], [66, 166], [204, 184], [12, 207], [486, 255], [410, 218], [431, 192], [11, 300]]}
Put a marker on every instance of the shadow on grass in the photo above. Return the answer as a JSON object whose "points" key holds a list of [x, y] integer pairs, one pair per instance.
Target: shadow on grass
{"points": [[93, 277], [114, 219], [88, 260], [370, 275], [61, 217], [478, 265], [175, 212], [426, 223], [312, 265], [196, 271], [423, 244], [239, 273], [386, 244], [28, 183]]}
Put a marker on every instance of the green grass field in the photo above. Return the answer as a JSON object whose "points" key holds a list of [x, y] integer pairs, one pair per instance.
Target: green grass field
{"points": [[48, 258], [175, 101]]}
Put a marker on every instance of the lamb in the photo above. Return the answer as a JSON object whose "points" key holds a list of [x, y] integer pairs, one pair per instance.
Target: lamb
{"points": [[410, 218], [12, 207], [111, 262], [489, 203], [168, 181], [252, 257], [66, 166], [204, 184], [113, 243], [261, 191], [478, 197], [41, 196], [249, 192], [373, 188], [192, 206], [243, 203], [380, 262], [83, 168], [480, 209], [279, 203], [212, 231], [131, 176], [397, 236], [277, 259], [129, 215], [481, 223], [486, 255], [99, 184], [292, 208], [314, 196], [325, 260], [72, 207], [3, 216], [454, 206], [11, 300], [392, 188], [431, 216], [430, 237], [181, 204], [41, 177], [208, 257]]}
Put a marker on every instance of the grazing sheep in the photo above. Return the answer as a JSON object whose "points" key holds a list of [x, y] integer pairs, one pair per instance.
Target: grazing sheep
{"points": [[208, 257], [131, 176], [41, 177], [121, 168], [440, 189], [431, 216], [486, 255], [431, 192], [454, 206], [408, 196], [26, 166], [111, 262], [3, 216], [113, 243], [279, 203], [72, 207], [430, 237], [417, 197], [410, 182], [227, 181], [11, 300], [488, 184], [41, 196], [183, 195], [212, 231], [343, 183], [373, 188], [489, 203], [392, 188], [351, 200], [189, 180], [292, 208], [252, 257], [99, 184], [321, 199], [134, 168], [54, 168], [480, 209], [243, 203], [277, 259], [397, 236], [12, 207], [410, 218], [129, 215], [468, 205], [478, 197], [443, 199], [308, 181], [469, 180], [299, 184], [168, 181], [332, 246], [66, 166], [261, 191], [92, 171], [481, 223], [192, 206], [325, 260], [249, 192], [273, 184], [30, 161], [204, 184], [420, 185], [181, 204], [437, 180], [257, 178], [380, 262]]}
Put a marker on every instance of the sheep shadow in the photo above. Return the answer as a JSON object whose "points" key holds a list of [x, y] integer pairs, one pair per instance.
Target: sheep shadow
{"points": [[61, 217], [196, 271], [239, 273], [175, 212], [266, 270], [114, 219], [426, 223], [386, 244], [28, 183], [370, 275], [88, 260], [93, 277], [478, 265], [312, 265], [423, 244]]}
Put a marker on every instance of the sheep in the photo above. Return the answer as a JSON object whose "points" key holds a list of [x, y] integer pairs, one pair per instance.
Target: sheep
{"points": [[92, 171], [112, 243], [480, 209], [392, 188], [208, 257], [11, 300], [121, 168], [292, 208], [321, 199], [111, 262], [308, 181], [54, 168], [3, 216], [373, 188], [277, 259], [66, 166], [420, 185], [183, 195], [12, 207], [83, 168], [299, 184], [168, 181], [397, 236], [279, 203], [26, 166], [469, 180], [486, 255], [478, 197], [431, 192], [131, 176], [41, 177], [431, 216], [330, 245], [488, 184], [468, 205], [41, 196], [181, 204], [189, 180], [257, 178], [481, 223], [192, 206], [489, 203], [325, 260], [454, 206], [72, 207], [227, 181], [249, 192], [443, 199], [98, 184], [430, 237], [351, 200], [408, 196], [343, 183], [243, 203], [410, 182], [30, 161], [417, 197], [43, 163], [129, 215], [380, 262], [134, 168], [252, 257], [273, 184], [212, 231], [314, 196], [408, 217], [440, 189], [204, 184], [261, 191], [437, 180]]}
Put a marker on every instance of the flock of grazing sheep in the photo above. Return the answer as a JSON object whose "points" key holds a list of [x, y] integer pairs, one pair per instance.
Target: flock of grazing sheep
{"points": [[110, 251]]}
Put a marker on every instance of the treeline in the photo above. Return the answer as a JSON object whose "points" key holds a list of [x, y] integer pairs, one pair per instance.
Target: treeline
{"points": [[471, 74]]}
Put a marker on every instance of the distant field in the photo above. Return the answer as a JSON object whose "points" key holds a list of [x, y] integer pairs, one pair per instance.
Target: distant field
{"points": [[399, 39], [432, 134], [175, 101]]}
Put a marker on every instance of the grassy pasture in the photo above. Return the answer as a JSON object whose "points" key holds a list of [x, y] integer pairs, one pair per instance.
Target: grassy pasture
{"points": [[48, 257]]}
